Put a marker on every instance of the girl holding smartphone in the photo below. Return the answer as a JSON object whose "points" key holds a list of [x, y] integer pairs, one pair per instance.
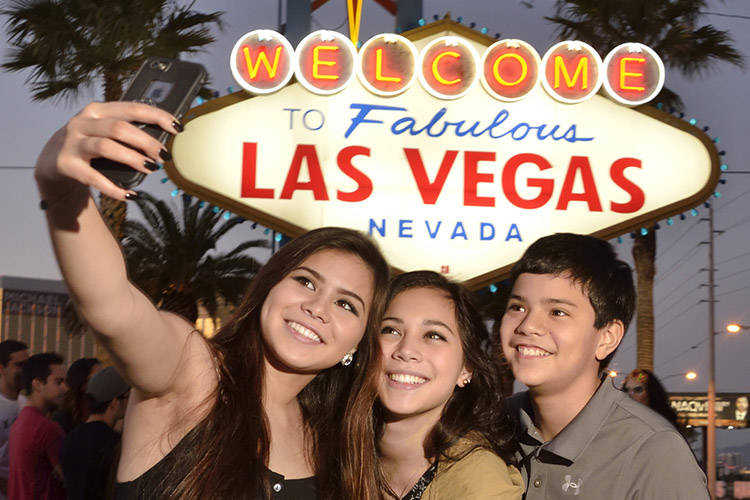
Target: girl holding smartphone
{"points": [[253, 412]]}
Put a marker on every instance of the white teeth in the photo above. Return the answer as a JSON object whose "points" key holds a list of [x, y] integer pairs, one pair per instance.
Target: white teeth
{"points": [[532, 351], [305, 332], [407, 379]]}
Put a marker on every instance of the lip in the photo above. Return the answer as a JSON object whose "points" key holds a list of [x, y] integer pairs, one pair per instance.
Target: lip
{"points": [[404, 385], [290, 325], [517, 348]]}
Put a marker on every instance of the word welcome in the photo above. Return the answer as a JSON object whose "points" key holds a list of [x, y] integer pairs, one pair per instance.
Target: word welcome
{"points": [[448, 67]]}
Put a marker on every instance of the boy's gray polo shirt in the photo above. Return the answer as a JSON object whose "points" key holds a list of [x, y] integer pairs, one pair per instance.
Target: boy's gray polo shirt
{"points": [[615, 448]]}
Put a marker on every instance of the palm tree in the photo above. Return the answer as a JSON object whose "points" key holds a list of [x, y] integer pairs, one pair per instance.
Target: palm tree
{"points": [[174, 260], [69, 45], [672, 29]]}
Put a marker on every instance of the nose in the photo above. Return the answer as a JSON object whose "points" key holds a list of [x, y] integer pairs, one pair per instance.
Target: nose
{"points": [[407, 350], [531, 324], [317, 307]]}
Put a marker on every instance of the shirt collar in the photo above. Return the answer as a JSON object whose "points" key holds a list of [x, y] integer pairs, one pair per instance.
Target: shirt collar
{"points": [[576, 436]]}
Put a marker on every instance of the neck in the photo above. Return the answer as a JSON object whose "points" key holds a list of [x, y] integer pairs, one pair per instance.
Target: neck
{"points": [[554, 410], [280, 390], [9, 392], [401, 449], [106, 418], [37, 401]]}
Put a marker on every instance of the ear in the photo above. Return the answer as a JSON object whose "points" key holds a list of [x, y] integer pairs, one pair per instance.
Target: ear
{"points": [[464, 378], [609, 338], [37, 384]]}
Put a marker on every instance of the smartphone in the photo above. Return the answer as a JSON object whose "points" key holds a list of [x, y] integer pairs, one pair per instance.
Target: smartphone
{"points": [[169, 84]]}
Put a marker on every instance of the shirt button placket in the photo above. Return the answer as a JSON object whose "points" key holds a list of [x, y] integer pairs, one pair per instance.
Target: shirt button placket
{"points": [[277, 487], [538, 482]]}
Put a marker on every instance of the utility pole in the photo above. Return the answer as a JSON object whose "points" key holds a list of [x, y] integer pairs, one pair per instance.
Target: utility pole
{"points": [[711, 426]]}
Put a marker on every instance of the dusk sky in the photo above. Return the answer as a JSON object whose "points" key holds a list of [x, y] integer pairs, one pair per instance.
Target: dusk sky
{"points": [[717, 98]]}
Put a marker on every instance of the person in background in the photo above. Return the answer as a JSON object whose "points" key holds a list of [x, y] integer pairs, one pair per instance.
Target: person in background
{"points": [[570, 304], [644, 387], [74, 410], [35, 439], [89, 451], [12, 356], [439, 421]]}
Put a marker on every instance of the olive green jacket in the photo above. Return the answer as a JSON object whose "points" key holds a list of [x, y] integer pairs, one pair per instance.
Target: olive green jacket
{"points": [[480, 475]]}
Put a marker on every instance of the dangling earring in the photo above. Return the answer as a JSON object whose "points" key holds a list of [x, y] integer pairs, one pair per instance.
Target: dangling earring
{"points": [[347, 359]]}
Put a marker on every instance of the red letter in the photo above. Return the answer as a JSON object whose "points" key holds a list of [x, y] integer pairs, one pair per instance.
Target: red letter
{"points": [[316, 183], [589, 195], [429, 190], [472, 178], [637, 198], [249, 158], [364, 184], [509, 181]]}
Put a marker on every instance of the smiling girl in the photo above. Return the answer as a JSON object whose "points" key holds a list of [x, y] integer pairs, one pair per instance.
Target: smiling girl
{"points": [[439, 422], [253, 412]]}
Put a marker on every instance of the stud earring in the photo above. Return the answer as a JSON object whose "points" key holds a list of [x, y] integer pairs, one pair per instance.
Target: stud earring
{"points": [[467, 381], [347, 359]]}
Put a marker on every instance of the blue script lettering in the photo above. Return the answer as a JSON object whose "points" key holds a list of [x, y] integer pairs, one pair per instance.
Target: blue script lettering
{"points": [[501, 126]]}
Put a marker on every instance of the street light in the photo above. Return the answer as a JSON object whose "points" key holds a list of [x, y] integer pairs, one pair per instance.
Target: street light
{"points": [[691, 375], [736, 327]]}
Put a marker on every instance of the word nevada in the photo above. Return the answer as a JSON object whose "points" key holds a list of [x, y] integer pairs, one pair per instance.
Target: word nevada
{"points": [[448, 67]]}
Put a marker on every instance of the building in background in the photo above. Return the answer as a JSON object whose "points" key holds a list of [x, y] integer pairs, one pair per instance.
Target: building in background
{"points": [[32, 312]]}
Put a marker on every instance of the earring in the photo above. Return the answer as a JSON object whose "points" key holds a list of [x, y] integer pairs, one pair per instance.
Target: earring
{"points": [[467, 381], [347, 359]]}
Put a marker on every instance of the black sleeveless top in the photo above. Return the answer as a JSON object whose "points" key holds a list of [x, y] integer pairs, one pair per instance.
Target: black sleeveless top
{"points": [[141, 488]]}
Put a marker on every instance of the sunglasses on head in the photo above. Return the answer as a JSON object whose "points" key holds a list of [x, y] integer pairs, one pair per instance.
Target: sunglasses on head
{"points": [[634, 390]]}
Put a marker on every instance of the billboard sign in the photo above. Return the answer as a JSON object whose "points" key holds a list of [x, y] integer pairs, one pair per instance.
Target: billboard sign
{"points": [[403, 142]]}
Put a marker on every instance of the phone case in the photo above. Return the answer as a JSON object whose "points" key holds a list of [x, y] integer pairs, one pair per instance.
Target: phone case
{"points": [[169, 84]]}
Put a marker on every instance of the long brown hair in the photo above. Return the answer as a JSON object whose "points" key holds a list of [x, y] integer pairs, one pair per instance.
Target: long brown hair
{"points": [[226, 455], [475, 410]]}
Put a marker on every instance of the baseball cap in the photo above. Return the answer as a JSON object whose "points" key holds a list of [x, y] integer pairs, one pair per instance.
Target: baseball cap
{"points": [[106, 385]]}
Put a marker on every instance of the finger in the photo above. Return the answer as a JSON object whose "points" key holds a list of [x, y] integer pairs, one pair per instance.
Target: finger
{"points": [[95, 179], [132, 112], [122, 132], [102, 147]]}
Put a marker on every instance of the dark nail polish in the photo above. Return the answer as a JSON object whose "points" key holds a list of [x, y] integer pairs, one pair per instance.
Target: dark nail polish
{"points": [[178, 126], [165, 155], [131, 196], [151, 165]]}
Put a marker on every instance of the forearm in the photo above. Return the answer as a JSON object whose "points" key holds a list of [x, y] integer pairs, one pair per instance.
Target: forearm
{"points": [[90, 259]]}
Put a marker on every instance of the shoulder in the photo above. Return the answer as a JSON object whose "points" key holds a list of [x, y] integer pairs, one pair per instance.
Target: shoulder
{"points": [[480, 474]]}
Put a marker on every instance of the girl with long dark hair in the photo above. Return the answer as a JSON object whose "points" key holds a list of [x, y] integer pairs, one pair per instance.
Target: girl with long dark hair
{"points": [[254, 412], [439, 427]]}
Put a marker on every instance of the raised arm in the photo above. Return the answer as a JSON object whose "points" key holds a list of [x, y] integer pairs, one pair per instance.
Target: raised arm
{"points": [[147, 344]]}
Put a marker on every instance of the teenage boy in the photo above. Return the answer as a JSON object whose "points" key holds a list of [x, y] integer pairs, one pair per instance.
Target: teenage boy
{"points": [[89, 451], [570, 305], [35, 438], [12, 356]]}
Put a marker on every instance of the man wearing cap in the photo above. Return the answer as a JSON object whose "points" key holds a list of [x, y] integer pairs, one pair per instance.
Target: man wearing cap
{"points": [[89, 451]]}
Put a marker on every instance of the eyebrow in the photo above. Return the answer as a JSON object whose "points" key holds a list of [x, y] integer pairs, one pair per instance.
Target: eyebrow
{"points": [[550, 300], [427, 322], [340, 290]]}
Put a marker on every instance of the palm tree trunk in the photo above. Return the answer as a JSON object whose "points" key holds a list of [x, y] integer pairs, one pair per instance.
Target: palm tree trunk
{"points": [[644, 255]]}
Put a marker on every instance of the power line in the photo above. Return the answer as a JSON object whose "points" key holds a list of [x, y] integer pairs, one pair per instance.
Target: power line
{"points": [[736, 224], [721, 14], [732, 275], [725, 205], [677, 264], [732, 258], [676, 288], [694, 346], [666, 250], [732, 291]]}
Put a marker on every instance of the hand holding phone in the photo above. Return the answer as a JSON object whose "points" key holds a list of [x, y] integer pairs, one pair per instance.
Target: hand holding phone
{"points": [[169, 84]]}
